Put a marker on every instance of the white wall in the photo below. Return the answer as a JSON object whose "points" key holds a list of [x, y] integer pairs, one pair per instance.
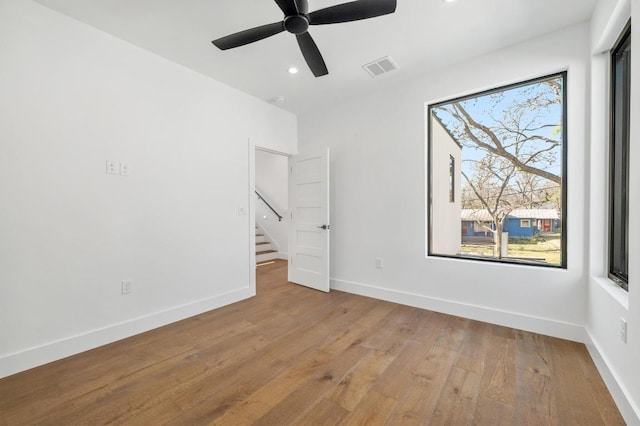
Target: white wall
{"points": [[73, 97], [272, 177], [446, 216], [378, 195], [607, 303]]}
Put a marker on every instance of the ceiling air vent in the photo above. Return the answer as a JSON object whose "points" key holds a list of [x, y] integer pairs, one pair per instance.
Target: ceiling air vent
{"points": [[380, 66]]}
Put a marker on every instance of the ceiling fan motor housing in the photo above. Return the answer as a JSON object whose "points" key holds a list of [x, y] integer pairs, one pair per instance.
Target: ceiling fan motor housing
{"points": [[296, 24]]}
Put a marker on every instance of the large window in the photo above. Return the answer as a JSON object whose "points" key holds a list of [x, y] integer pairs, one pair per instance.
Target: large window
{"points": [[619, 156], [506, 155]]}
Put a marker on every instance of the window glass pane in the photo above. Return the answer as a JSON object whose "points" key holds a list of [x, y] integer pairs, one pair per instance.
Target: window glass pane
{"points": [[509, 146]]}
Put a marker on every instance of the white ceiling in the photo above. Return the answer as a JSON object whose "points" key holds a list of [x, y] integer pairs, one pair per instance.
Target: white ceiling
{"points": [[422, 35]]}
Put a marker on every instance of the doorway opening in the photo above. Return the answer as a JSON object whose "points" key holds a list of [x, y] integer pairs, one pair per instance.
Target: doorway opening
{"points": [[270, 198]]}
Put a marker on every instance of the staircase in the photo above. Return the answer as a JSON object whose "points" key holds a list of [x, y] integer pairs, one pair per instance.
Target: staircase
{"points": [[264, 250]]}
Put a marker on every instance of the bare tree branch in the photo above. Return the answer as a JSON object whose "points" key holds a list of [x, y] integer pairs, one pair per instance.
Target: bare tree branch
{"points": [[497, 148]]}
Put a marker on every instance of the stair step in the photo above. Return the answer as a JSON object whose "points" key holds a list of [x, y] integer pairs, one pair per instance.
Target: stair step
{"points": [[265, 252]]}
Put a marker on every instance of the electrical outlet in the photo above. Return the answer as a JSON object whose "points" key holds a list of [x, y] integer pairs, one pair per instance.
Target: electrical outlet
{"points": [[623, 330], [379, 263], [124, 169], [126, 286], [112, 167]]}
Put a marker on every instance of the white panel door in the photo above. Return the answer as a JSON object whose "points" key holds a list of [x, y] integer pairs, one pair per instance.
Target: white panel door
{"points": [[309, 226]]}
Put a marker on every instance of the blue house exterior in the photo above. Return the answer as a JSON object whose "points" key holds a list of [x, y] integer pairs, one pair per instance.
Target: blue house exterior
{"points": [[520, 223]]}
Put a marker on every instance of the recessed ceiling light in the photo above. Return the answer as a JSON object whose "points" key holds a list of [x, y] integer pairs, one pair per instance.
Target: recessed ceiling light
{"points": [[448, 1], [293, 70]]}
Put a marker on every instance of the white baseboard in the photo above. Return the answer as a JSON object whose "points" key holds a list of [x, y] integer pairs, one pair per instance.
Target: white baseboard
{"points": [[629, 410], [549, 327], [52, 351], [283, 255]]}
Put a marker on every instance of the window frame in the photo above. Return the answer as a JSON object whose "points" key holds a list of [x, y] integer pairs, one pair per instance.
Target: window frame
{"points": [[619, 132], [564, 168]]}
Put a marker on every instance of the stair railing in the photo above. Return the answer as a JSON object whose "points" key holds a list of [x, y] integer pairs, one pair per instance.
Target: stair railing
{"points": [[260, 197]]}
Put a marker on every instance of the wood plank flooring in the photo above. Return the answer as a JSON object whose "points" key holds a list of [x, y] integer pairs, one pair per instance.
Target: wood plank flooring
{"points": [[292, 355]]}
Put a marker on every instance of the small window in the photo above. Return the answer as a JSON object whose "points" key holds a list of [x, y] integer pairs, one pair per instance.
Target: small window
{"points": [[506, 155], [452, 179], [619, 160]]}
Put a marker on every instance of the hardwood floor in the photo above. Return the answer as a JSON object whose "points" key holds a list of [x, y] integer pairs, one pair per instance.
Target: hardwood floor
{"points": [[292, 355]]}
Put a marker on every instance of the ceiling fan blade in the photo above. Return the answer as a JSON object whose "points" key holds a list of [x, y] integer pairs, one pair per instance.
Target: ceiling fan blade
{"points": [[312, 54], [352, 11], [248, 36], [302, 6], [288, 7]]}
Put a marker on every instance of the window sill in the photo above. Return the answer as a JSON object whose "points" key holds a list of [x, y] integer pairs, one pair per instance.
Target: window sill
{"points": [[614, 290]]}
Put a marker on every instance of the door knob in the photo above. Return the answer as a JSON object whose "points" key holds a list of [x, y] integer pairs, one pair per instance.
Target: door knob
{"points": [[324, 227]]}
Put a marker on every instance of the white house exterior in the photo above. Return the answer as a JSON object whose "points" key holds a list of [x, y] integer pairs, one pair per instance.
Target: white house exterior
{"points": [[445, 203]]}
